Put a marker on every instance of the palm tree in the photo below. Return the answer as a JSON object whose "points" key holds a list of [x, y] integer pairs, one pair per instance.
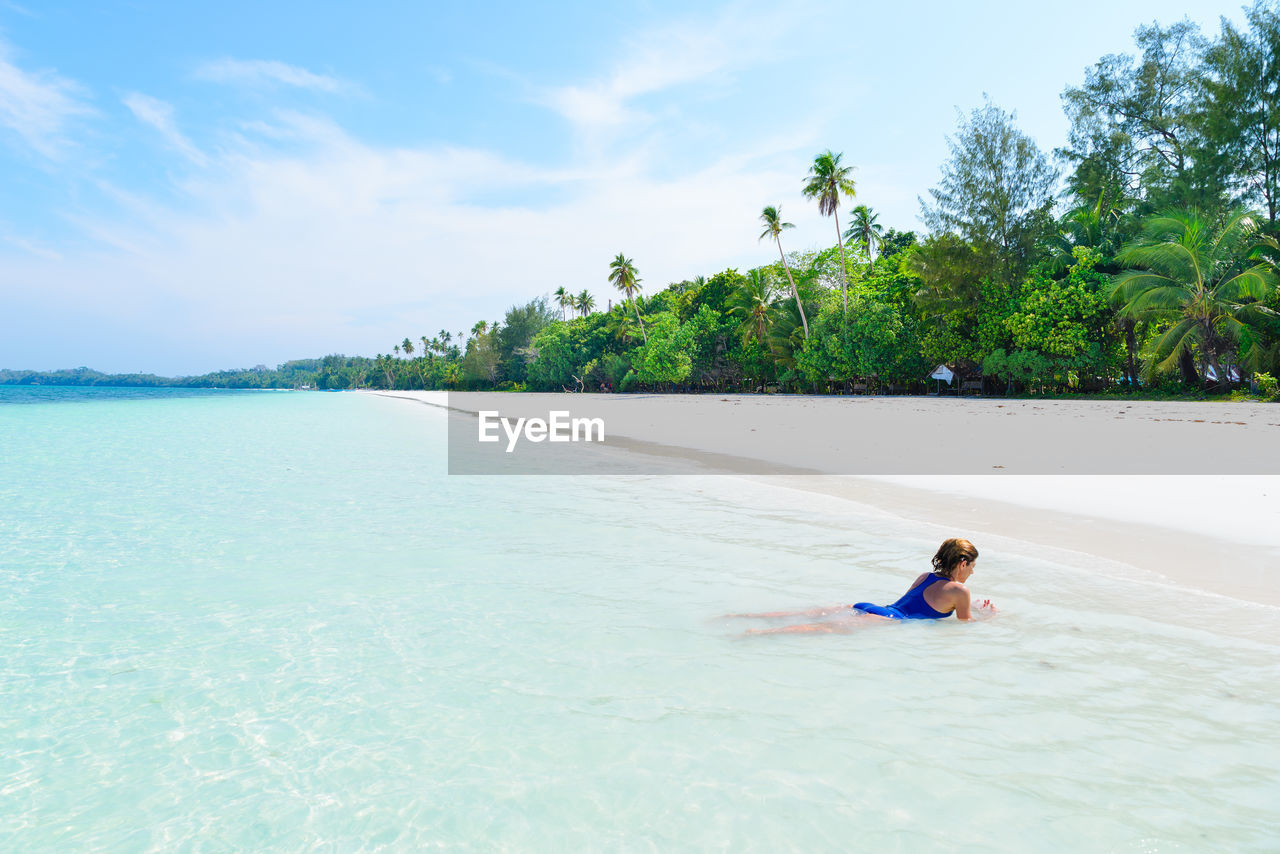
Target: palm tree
{"points": [[384, 362], [827, 181], [407, 346], [624, 329], [624, 278], [586, 302], [773, 227], [571, 301], [753, 302], [481, 327], [1201, 279], [562, 297], [426, 349], [784, 338], [864, 228], [1097, 225], [1261, 352]]}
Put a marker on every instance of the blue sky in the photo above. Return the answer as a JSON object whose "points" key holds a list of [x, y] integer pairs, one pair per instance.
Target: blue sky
{"points": [[192, 187]]}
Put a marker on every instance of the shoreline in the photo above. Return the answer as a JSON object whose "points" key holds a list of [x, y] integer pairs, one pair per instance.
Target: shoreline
{"points": [[1090, 520], [1196, 562]]}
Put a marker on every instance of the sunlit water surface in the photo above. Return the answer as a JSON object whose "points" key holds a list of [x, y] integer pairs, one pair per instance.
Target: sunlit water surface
{"points": [[271, 622]]}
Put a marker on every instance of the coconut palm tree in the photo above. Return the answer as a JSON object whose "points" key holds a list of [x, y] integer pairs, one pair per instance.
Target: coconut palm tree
{"points": [[624, 278], [752, 301], [586, 302], [827, 182], [784, 335], [407, 346], [1260, 351], [864, 228], [562, 297], [384, 362], [1199, 278], [1098, 225], [1101, 226], [619, 326], [773, 227]]}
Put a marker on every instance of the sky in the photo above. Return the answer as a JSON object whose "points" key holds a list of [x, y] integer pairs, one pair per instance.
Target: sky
{"points": [[192, 187]]}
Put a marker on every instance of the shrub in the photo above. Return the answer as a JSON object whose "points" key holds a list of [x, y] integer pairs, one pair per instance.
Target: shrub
{"points": [[1267, 386]]}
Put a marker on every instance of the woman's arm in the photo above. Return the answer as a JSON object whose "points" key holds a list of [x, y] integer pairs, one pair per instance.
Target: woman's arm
{"points": [[969, 611]]}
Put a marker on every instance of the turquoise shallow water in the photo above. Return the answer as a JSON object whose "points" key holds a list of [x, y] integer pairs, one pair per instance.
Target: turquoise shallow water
{"points": [[270, 622]]}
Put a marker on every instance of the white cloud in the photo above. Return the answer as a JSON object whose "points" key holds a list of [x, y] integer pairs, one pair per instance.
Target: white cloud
{"points": [[350, 247], [159, 115], [296, 238], [19, 9], [32, 247], [38, 105], [589, 107], [664, 58], [256, 72]]}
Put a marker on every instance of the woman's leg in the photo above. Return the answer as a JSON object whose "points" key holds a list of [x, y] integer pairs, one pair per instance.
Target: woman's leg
{"points": [[803, 628], [812, 612]]}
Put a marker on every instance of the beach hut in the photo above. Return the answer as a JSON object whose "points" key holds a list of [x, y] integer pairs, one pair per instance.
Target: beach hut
{"points": [[1233, 374], [942, 374]]}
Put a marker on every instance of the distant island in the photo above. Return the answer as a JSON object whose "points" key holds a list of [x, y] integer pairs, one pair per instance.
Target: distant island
{"points": [[299, 373]]}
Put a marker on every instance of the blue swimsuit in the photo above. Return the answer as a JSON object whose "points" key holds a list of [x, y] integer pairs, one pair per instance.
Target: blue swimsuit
{"points": [[910, 607]]}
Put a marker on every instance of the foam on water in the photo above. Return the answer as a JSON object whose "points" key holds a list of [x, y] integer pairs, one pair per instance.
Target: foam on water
{"points": [[272, 622]]}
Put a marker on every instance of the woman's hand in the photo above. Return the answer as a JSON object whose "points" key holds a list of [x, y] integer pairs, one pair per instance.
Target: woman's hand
{"points": [[983, 610]]}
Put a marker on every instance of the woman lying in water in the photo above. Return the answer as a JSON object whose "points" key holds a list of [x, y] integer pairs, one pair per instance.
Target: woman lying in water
{"points": [[933, 596]]}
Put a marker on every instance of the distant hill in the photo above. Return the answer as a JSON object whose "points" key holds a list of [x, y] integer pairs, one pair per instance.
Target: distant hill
{"points": [[332, 372]]}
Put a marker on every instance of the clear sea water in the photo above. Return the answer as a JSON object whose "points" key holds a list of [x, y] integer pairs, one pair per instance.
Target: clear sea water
{"points": [[271, 622]]}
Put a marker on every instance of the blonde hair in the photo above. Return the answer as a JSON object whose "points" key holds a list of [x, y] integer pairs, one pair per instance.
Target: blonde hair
{"points": [[949, 555]]}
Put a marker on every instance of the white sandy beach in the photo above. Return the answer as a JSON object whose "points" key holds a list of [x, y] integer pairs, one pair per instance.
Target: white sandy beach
{"points": [[933, 435], [1212, 532]]}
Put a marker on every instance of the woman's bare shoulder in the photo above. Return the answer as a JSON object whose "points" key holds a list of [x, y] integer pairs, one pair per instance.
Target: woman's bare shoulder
{"points": [[919, 580]]}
